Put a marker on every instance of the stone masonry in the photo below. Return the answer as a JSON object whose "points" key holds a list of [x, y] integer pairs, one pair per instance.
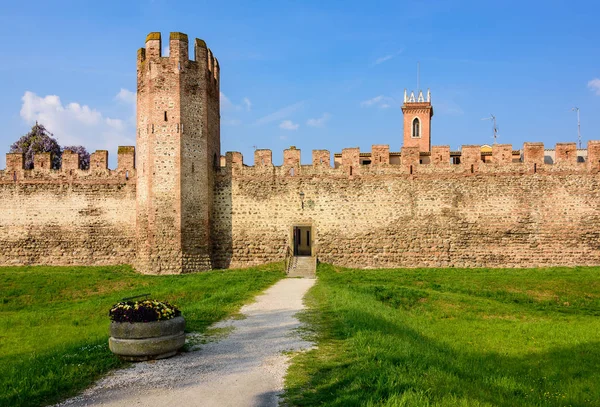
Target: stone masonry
{"points": [[174, 205]]}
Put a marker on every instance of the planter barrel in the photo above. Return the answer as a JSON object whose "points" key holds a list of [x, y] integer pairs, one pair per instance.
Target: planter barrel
{"points": [[140, 341]]}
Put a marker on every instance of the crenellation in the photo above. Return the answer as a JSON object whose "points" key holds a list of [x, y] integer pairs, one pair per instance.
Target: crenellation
{"points": [[410, 156], [175, 204], [291, 157], [566, 153], [440, 155], [502, 154], [380, 154], [321, 159], [178, 47], [125, 158], [15, 161], [263, 158], [593, 153], [351, 161], [153, 46], [42, 161], [99, 160], [471, 156], [70, 161], [533, 155]]}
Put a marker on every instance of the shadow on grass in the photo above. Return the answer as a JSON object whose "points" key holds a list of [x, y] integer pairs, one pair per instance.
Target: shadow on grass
{"points": [[379, 362]]}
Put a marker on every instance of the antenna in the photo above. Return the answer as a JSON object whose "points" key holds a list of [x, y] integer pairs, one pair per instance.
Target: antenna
{"points": [[576, 109], [418, 76], [493, 119]]}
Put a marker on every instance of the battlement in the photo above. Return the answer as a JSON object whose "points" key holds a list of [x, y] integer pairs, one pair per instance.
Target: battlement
{"points": [[533, 158], [70, 169], [179, 53]]}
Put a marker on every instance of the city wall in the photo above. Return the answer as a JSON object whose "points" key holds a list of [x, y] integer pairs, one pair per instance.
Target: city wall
{"points": [[68, 216], [493, 214]]}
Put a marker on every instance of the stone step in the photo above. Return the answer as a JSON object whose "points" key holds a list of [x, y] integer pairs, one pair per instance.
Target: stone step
{"points": [[303, 266]]}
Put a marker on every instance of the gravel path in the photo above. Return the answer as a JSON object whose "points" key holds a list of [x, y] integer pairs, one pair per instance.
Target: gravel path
{"points": [[246, 368]]}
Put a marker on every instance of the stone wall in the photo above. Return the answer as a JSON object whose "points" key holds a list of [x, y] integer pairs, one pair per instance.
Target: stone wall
{"points": [[68, 216], [473, 214]]}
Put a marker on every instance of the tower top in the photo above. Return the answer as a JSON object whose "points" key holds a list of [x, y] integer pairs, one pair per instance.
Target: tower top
{"points": [[419, 99]]}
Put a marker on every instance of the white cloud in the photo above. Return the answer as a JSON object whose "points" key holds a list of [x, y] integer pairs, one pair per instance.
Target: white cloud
{"points": [[288, 125], [594, 85], [227, 104], [320, 122], [386, 58], [279, 114], [126, 96], [77, 124], [247, 103], [381, 101]]}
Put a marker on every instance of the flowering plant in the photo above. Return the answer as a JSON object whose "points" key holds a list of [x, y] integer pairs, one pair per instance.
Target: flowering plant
{"points": [[142, 311]]}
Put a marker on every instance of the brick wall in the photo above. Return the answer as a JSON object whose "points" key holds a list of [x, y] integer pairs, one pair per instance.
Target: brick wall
{"points": [[496, 215], [67, 216]]}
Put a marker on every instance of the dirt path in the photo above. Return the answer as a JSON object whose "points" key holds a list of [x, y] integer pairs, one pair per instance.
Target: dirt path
{"points": [[246, 368]]}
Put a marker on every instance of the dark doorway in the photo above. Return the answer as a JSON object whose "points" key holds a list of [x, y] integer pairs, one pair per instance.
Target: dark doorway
{"points": [[302, 241]]}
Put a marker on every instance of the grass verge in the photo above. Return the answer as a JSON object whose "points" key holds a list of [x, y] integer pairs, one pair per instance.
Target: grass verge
{"points": [[54, 320], [450, 337]]}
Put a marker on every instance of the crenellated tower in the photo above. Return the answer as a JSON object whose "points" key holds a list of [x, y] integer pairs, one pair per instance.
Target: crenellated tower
{"points": [[417, 120], [178, 151]]}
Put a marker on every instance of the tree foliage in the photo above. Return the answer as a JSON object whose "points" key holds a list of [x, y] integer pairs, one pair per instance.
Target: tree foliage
{"points": [[38, 140]]}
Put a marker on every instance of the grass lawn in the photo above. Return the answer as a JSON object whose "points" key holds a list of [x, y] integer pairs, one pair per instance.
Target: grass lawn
{"points": [[451, 337], [54, 320]]}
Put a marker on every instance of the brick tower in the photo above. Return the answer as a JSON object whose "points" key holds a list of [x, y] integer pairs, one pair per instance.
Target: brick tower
{"points": [[417, 121], [178, 150]]}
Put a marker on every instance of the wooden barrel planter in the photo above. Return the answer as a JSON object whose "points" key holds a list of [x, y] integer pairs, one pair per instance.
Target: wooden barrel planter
{"points": [[138, 341]]}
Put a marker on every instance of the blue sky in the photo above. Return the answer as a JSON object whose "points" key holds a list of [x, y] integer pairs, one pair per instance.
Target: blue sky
{"points": [[314, 74]]}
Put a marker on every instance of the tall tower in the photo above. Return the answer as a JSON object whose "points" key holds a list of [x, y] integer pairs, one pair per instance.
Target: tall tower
{"points": [[178, 151], [417, 120]]}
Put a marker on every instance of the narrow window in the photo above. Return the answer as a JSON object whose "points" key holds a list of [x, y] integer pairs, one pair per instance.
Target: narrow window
{"points": [[127, 175], [472, 169], [534, 168], [70, 172], [262, 161], [192, 168], [291, 172], [350, 170], [416, 127], [179, 66], [152, 128], [321, 162], [42, 164], [14, 176], [165, 115], [411, 170]]}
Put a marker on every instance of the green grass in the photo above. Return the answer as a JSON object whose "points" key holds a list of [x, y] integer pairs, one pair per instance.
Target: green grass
{"points": [[450, 337], [54, 320]]}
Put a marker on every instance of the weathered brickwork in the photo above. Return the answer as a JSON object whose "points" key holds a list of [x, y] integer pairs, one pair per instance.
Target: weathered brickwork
{"points": [[178, 153], [467, 215], [67, 216], [175, 205]]}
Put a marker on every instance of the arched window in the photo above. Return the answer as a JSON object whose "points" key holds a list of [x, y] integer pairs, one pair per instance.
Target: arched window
{"points": [[416, 127]]}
